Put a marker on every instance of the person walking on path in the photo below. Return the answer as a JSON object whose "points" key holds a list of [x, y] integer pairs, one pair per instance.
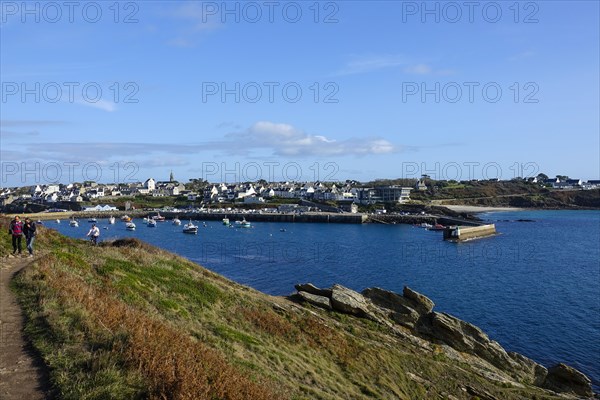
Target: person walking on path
{"points": [[16, 230], [29, 230], [94, 233]]}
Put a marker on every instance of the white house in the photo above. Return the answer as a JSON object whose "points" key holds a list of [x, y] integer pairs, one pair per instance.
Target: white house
{"points": [[150, 184]]}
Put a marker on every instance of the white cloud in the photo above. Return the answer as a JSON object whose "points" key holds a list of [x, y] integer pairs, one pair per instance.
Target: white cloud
{"points": [[367, 64], [419, 69], [286, 140], [100, 104], [371, 63], [193, 20]]}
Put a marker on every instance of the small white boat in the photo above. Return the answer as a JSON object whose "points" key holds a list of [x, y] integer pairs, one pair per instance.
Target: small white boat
{"points": [[158, 218], [73, 223], [176, 221], [130, 226], [190, 228], [92, 220], [151, 223], [58, 221], [111, 220], [245, 224], [126, 218], [226, 221]]}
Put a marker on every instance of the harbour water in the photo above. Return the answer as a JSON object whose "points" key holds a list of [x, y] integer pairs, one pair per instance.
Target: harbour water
{"points": [[535, 288]]}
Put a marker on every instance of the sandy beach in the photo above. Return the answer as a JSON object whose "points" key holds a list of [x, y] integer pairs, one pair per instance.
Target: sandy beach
{"points": [[480, 209]]}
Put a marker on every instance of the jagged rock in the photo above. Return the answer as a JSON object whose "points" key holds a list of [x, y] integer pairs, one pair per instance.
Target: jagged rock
{"points": [[467, 338], [536, 371], [319, 301], [408, 320], [562, 378], [350, 302], [390, 300], [400, 308], [481, 394], [422, 304], [312, 289]]}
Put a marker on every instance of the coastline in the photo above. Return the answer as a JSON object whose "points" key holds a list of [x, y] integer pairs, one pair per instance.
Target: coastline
{"points": [[496, 371], [480, 209]]}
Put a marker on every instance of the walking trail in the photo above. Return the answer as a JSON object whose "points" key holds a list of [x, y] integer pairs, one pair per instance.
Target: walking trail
{"points": [[23, 374]]}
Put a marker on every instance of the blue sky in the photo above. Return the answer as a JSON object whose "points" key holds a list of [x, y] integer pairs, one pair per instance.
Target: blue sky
{"points": [[212, 90]]}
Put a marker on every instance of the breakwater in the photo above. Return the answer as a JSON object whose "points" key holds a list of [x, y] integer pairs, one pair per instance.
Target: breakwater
{"points": [[419, 219], [334, 218], [318, 217]]}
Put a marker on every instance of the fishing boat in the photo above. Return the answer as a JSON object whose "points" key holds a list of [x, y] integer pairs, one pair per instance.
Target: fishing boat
{"points": [[190, 228], [111, 220], [437, 227], [176, 221], [151, 223], [130, 226], [158, 218], [225, 221]]}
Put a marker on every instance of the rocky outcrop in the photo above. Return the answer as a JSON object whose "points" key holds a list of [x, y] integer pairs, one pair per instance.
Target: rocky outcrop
{"points": [[312, 289], [414, 311], [533, 369], [348, 301], [315, 300], [465, 337], [422, 303], [341, 299], [398, 308], [564, 379]]}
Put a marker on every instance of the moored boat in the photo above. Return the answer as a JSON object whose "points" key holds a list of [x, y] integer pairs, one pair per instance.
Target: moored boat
{"points": [[73, 223], [151, 223], [130, 226], [176, 221], [111, 220], [437, 227], [226, 221], [158, 218], [126, 218], [190, 228]]}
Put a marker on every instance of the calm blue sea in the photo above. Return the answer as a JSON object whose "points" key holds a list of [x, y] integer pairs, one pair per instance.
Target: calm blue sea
{"points": [[535, 288]]}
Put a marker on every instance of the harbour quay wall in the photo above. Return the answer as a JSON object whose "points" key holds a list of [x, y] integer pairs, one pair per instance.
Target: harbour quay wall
{"points": [[333, 218], [419, 219], [463, 233]]}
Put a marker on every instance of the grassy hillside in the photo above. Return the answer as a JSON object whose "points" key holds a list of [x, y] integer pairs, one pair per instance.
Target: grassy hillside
{"points": [[129, 321], [507, 194]]}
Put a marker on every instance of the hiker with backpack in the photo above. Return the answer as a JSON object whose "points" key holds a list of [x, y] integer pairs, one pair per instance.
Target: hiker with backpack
{"points": [[16, 230], [29, 230]]}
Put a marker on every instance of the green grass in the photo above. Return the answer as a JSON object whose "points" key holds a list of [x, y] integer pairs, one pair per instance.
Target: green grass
{"points": [[118, 321]]}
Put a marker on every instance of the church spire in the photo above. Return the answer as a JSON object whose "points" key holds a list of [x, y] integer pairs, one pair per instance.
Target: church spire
{"points": [[171, 177]]}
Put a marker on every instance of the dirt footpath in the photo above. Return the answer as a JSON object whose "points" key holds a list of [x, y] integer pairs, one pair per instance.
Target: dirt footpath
{"points": [[23, 375]]}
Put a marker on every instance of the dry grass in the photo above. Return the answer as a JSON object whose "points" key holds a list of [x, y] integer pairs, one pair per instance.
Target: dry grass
{"points": [[126, 320], [173, 364]]}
